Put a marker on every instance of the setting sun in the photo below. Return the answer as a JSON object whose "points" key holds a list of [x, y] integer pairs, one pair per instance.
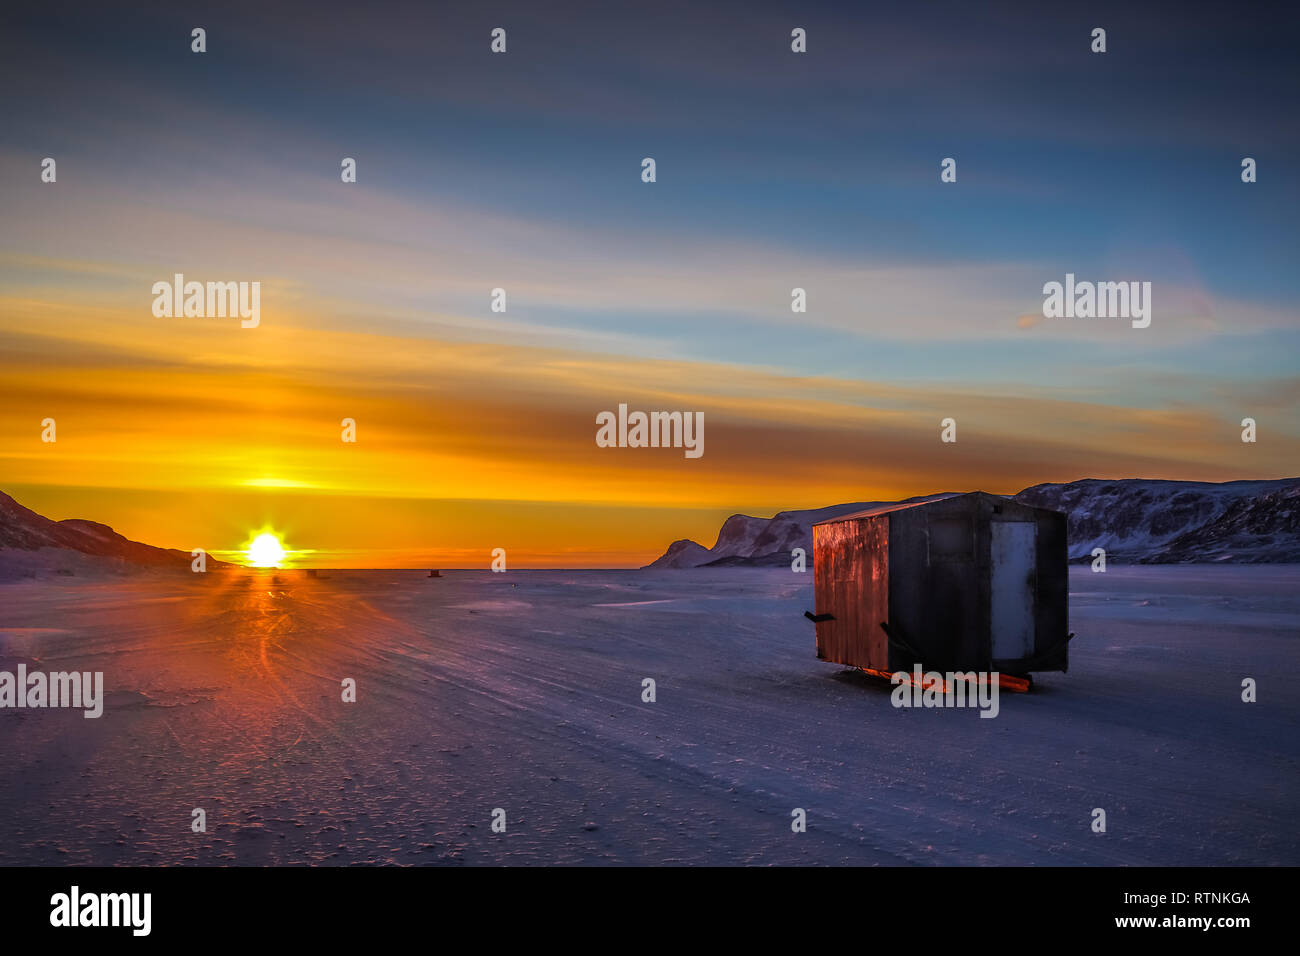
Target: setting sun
{"points": [[266, 551]]}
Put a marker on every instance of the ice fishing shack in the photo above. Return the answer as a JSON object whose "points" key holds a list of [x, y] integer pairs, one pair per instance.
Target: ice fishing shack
{"points": [[972, 582]]}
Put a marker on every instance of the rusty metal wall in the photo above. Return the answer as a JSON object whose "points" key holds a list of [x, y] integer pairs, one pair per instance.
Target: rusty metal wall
{"points": [[851, 582]]}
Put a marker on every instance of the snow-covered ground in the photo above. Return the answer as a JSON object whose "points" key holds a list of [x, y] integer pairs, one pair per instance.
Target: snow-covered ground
{"points": [[522, 691]]}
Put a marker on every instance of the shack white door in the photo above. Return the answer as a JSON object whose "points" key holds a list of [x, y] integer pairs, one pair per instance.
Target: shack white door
{"points": [[1014, 560]]}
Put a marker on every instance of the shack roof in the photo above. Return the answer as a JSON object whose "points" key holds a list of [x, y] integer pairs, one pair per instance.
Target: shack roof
{"points": [[903, 505]]}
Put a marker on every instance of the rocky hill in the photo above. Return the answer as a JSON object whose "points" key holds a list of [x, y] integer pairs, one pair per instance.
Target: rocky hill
{"points": [[29, 539], [1137, 520]]}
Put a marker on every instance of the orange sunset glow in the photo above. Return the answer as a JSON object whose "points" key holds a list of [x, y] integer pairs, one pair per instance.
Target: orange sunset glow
{"points": [[475, 426], [187, 434]]}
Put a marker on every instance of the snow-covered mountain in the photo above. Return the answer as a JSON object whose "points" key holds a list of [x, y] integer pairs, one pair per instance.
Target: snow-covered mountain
{"points": [[29, 540], [1137, 520], [1178, 522], [749, 541]]}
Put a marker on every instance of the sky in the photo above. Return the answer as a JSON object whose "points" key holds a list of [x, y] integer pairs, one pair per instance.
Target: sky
{"points": [[522, 171]]}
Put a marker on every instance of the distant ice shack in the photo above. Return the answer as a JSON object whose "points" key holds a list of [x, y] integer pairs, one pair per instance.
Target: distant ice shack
{"points": [[973, 582]]}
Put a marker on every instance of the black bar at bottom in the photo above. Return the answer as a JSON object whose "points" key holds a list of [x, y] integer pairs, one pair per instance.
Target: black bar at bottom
{"points": [[211, 906]]}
